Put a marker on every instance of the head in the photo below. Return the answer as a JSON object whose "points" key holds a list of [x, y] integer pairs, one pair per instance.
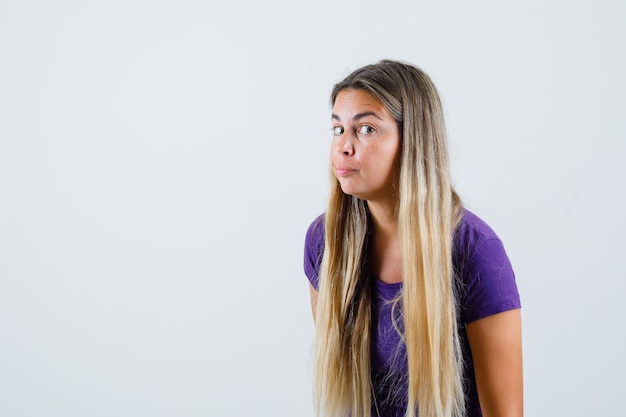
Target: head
{"points": [[411, 98]]}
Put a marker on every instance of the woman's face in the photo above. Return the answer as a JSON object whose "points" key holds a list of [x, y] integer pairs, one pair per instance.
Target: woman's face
{"points": [[365, 151]]}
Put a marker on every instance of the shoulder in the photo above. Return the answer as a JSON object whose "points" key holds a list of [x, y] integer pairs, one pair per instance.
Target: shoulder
{"points": [[314, 249], [486, 279], [315, 231], [472, 230], [474, 237]]}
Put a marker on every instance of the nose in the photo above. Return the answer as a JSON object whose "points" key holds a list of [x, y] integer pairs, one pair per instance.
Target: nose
{"points": [[345, 145]]}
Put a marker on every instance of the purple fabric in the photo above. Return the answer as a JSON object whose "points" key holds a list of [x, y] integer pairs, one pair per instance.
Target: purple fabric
{"points": [[486, 286]]}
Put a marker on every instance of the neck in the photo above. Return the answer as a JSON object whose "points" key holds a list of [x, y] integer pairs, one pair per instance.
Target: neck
{"points": [[384, 218], [384, 251]]}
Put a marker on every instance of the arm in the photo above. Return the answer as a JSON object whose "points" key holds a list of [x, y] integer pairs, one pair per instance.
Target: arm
{"points": [[313, 292], [496, 344]]}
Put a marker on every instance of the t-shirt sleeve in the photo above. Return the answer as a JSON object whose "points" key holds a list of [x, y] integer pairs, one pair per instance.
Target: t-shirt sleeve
{"points": [[488, 281], [314, 250]]}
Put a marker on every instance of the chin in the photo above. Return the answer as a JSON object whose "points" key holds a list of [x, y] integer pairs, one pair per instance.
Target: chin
{"points": [[347, 191], [353, 193]]}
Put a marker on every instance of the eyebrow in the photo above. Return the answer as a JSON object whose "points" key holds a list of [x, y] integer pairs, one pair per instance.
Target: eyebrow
{"points": [[358, 116]]}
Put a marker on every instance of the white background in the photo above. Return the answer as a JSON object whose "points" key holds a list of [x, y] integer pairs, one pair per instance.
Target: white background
{"points": [[160, 162]]}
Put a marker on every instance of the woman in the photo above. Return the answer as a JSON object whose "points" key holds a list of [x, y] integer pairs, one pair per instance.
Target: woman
{"points": [[414, 299]]}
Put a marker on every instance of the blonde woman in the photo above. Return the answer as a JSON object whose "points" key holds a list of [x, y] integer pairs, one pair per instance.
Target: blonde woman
{"points": [[413, 296]]}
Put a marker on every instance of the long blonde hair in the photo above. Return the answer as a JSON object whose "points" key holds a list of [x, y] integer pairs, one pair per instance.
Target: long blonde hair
{"points": [[428, 212]]}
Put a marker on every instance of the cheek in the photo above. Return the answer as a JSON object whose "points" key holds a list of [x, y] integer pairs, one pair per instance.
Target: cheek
{"points": [[389, 155], [332, 149]]}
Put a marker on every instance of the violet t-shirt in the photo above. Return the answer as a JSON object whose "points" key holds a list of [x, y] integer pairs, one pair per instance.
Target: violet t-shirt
{"points": [[486, 286]]}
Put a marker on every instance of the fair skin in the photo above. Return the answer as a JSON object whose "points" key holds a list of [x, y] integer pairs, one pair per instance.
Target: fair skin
{"points": [[365, 150], [365, 156], [496, 344], [365, 159]]}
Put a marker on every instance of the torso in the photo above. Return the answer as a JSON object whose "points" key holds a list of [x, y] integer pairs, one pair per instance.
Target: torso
{"points": [[487, 286], [385, 260]]}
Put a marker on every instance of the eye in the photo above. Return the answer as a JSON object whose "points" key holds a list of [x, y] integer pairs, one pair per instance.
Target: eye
{"points": [[366, 130], [338, 130]]}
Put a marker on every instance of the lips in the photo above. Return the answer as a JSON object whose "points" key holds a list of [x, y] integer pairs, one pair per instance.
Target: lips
{"points": [[344, 171]]}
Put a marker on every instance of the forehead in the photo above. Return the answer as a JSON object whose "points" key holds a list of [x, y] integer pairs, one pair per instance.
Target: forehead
{"points": [[356, 100]]}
